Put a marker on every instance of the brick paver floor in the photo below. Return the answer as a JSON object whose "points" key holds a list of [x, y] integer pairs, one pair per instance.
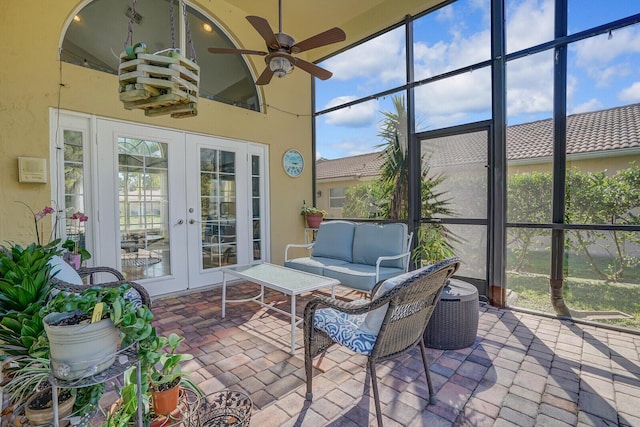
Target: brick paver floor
{"points": [[522, 369]]}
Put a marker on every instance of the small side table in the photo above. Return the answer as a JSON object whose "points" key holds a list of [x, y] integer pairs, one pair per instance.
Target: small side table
{"points": [[310, 235], [454, 323]]}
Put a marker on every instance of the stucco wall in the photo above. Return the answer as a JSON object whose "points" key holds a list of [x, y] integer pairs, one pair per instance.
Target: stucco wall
{"points": [[32, 80]]}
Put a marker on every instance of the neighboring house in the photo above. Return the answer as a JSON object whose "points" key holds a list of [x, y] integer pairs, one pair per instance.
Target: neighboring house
{"points": [[334, 177], [598, 140]]}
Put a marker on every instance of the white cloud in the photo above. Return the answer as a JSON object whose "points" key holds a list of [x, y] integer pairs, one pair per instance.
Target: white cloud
{"points": [[529, 22], [596, 54], [443, 102], [380, 59], [441, 56], [630, 94], [591, 105], [360, 115], [530, 84]]}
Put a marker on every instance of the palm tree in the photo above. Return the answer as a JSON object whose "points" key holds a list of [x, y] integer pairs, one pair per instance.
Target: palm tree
{"points": [[395, 169], [434, 241]]}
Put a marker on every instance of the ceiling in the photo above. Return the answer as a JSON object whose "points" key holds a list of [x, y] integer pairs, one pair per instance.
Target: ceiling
{"points": [[99, 37], [304, 18]]}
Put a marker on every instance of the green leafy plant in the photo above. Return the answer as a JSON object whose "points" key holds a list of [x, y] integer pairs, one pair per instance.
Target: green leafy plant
{"points": [[164, 367], [160, 366], [25, 283], [310, 210], [132, 320], [24, 276]]}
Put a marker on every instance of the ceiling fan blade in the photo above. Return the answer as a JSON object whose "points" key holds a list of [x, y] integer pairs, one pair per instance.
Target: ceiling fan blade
{"points": [[236, 51], [264, 29], [313, 69], [332, 35], [265, 77]]}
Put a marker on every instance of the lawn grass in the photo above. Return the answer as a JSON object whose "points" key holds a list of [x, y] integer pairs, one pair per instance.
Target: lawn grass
{"points": [[533, 293], [582, 290]]}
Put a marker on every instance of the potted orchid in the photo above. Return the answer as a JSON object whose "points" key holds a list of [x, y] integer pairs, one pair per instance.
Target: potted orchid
{"points": [[37, 217], [76, 253]]}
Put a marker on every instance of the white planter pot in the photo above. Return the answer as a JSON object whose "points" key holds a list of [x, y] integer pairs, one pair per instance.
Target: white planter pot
{"points": [[83, 350]]}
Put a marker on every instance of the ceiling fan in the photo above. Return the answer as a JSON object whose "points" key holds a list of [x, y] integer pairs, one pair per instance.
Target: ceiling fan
{"points": [[281, 47]]}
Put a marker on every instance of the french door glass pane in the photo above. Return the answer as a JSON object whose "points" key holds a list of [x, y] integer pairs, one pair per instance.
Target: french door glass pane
{"points": [[218, 207], [144, 208], [74, 187], [255, 206]]}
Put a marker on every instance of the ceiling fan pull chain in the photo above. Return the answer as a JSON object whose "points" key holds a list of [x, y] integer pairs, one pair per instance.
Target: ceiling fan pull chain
{"points": [[129, 40], [192, 51], [172, 26]]}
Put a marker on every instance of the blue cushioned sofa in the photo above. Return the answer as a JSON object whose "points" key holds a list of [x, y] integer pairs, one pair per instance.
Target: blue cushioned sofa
{"points": [[357, 254]]}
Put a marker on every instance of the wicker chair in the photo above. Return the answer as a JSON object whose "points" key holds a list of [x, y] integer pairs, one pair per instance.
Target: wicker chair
{"points": [[85, 277], [389, 325]]}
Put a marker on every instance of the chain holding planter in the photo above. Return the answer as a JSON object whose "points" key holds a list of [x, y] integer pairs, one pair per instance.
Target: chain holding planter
{"points": [[165, 82]]}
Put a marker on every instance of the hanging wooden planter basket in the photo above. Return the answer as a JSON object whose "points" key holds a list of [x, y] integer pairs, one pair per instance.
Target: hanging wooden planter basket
{"points": [[158, 83]]}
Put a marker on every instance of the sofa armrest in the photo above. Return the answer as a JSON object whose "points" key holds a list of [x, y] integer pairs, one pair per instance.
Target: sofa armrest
{"points": [[392, 257], [295, 245]]}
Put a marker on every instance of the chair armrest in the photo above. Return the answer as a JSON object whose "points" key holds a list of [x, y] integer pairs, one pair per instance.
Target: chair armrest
{"points": [[295, 245], [69, 287], [90, 271], [391, 257]]}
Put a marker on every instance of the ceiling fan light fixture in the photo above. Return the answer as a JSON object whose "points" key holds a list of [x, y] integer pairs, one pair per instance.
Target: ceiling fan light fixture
{"points": [[280, 66]]}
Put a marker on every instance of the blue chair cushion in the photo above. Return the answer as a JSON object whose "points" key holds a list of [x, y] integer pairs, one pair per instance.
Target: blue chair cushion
{"points": [[359, 276], [344, 329], [313, 265], [334, 240], [375, 240]]}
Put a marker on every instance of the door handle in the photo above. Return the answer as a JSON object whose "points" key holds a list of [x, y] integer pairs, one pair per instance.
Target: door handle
{"points": [[180, 221], [192, 221]]}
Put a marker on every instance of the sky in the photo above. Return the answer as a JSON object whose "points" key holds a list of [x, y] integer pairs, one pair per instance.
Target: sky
{"points": [[603, 71]]}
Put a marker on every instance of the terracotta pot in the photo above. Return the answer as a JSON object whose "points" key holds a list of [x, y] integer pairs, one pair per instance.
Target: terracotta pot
{"points": [[39, 416], [314, 220], [164, 402]]}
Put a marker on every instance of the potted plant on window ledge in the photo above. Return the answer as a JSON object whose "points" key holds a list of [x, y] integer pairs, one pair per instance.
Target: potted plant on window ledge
{"points": [[313, 215]]}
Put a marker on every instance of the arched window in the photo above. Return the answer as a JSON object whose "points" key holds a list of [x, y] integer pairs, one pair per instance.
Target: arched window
{"points": [[98, 32]]}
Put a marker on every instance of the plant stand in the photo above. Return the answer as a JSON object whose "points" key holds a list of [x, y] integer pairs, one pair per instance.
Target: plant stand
{"points": [[124, 359]]}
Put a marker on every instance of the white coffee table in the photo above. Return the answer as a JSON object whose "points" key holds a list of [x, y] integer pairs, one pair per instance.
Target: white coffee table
{"points": [[286, 280]]}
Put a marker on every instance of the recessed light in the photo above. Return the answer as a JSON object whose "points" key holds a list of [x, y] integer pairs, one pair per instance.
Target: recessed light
{"points": [[207, 27]]}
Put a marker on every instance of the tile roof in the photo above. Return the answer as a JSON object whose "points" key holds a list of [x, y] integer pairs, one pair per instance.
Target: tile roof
{"points": [[592, 132], [361, 166]]}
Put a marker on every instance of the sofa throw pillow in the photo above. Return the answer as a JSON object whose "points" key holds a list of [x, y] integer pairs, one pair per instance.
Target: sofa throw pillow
{"points": [[334, 240], [372, 241]]}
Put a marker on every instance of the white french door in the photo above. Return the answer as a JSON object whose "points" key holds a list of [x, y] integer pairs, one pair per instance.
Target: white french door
{"points": [[171, 208]]}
